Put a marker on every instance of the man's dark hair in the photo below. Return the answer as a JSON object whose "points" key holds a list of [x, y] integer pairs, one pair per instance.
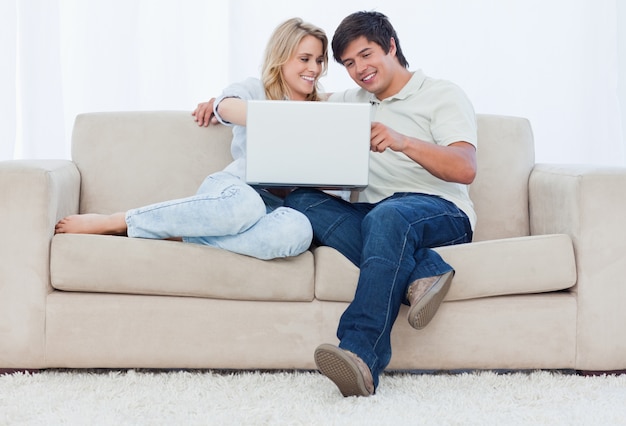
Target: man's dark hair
{"points": [[374, 26]]}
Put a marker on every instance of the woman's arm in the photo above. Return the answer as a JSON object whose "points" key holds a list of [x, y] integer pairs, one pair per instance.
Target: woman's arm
{"points": [[233, 110]]}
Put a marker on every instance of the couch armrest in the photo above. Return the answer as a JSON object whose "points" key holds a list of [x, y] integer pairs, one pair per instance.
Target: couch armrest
{"points": [[588, 203], [34, 194]]}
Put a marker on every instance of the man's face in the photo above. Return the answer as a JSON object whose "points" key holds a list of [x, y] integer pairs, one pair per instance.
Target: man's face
{"points": [[370, 67]]}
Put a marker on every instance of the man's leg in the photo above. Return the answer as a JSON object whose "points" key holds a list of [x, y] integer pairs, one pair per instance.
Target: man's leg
{"points": [[397, 236], [336, 223]]}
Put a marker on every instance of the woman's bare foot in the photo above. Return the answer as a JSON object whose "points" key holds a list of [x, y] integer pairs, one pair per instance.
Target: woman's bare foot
{"points": [[114, 224]]}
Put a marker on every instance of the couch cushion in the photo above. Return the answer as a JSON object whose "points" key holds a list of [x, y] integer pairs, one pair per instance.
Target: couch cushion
{"points": [[490, 268], [110, 264]]}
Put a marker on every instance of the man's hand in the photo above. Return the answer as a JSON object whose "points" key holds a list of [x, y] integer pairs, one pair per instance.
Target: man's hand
{"points": [[453, 163], [204, 113], [383, 137]]}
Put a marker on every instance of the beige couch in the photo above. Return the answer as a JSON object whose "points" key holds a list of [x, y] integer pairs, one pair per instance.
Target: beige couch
{"points": [[542, 286]]}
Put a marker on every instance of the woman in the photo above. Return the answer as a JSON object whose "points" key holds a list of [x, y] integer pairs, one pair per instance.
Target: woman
{"points": [[226, 212]]}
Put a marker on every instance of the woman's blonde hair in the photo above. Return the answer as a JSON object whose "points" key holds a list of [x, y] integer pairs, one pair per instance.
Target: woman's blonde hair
{"points": [[280, 48]]}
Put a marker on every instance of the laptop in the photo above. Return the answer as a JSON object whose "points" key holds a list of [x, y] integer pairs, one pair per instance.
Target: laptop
{"points": [[308, 144]]}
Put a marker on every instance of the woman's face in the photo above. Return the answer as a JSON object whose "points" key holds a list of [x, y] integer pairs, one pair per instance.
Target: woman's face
{"points": [[303, 69]]}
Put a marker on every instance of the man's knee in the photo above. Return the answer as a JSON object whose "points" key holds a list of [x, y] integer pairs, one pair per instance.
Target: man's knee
{"points": [[384, 213]]}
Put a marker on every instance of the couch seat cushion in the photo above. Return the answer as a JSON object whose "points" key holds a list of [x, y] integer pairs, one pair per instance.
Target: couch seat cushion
{"points": [[111, 264], [521, 265]]}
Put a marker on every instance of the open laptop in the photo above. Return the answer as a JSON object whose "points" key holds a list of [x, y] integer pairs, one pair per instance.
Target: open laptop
{"points": [[311, 144]]}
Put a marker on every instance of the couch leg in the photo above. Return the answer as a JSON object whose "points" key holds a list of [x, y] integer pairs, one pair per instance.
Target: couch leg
{"points": [[601, 373], [4, 371]]}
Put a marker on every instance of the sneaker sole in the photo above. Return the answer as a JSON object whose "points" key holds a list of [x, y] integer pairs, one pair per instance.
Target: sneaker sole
{"points": [[335, 364], [424, 311]]}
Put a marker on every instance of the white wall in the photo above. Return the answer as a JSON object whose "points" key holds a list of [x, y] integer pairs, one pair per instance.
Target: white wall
{"points": [[621, 65], [552, 62], [141, 54], [561, 63], [75, 56], [8, 114]]}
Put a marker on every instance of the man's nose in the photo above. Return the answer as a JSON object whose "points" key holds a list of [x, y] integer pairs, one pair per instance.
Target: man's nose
{"points": [[360, 65]]}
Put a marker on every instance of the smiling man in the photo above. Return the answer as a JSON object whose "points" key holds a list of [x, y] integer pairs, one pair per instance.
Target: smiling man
{"points": [[423, 156]]}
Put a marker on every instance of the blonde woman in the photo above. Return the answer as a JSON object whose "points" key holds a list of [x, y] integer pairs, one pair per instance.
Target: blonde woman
{"points": [[226, 212]]}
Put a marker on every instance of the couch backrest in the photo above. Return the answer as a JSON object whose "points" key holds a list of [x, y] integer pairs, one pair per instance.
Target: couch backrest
{"points": [[506, 156], [130, 159]]}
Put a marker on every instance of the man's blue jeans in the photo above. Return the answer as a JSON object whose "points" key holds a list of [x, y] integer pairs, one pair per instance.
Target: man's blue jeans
{"points": [[390, 241]]}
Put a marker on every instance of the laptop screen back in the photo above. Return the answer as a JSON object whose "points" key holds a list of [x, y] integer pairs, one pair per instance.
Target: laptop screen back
{"points": [[313, 144]]}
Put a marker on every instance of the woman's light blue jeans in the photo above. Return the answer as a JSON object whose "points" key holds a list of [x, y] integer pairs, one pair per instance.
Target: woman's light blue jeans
{"points": [[229, 214], [390, 241]]}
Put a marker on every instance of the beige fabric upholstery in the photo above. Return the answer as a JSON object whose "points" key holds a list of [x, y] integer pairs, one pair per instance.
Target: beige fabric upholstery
{"points": [[133, 159], [97, 263], [34, 195], [506, 157], [521, 265], [541, 286], [588, 203]]}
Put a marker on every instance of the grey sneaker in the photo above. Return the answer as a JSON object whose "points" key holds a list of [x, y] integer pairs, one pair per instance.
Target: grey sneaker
{"points": [[351, 375], [425, 295]]}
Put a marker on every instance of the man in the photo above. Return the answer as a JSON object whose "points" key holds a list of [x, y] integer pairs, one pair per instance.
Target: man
{"points": [[423, 143]]}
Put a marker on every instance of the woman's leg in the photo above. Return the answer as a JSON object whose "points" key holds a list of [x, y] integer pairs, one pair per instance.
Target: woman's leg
{"points": [[223, 205], [91, 223], [283, 232]]}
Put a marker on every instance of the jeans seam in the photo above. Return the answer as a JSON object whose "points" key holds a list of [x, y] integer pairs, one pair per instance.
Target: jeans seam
{"points": [[389, 296], [196, 198], [461, 238]]}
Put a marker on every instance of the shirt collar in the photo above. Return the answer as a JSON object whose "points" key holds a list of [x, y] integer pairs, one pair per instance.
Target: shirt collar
{"points": [[409, 88]]}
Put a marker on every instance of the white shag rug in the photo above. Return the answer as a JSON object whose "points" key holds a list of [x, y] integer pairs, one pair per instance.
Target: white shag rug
{"points": [[138, 397]]}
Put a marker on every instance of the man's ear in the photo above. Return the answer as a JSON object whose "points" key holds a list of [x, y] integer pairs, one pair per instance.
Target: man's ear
{"points": [[392, 46]]}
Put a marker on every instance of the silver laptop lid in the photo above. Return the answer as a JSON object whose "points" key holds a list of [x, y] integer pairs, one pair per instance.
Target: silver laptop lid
{"points": [[313, 144]]}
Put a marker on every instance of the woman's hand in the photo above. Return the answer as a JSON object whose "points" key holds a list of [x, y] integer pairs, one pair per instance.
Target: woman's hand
{"points": [[204, 113]]}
